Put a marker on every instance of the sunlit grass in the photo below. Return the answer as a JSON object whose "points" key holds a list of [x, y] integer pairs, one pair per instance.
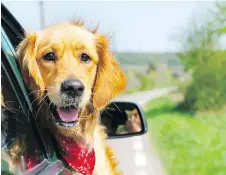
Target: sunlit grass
{"points": [[188, 144]]}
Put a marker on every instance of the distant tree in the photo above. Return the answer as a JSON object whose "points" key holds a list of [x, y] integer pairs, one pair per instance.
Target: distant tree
{"points": [[151, 67], [218, 22], [203, 55]]}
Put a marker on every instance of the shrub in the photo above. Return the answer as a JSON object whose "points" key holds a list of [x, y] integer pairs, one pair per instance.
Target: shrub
{"points": [[207, 61], [208, 88]]}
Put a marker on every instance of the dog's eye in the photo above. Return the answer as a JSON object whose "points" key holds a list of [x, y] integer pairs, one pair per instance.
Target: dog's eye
{"points": [[85, 58], [50, 56]]}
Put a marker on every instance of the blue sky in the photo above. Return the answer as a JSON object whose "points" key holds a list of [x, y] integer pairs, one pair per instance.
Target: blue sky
{"points": [[134, 26]]}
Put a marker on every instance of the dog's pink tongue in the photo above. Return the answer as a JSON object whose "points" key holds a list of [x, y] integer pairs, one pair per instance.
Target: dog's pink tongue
{"points": [[68, 116]]}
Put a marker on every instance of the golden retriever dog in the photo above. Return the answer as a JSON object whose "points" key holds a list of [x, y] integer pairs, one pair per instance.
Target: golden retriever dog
{"points": [[73, 75]]}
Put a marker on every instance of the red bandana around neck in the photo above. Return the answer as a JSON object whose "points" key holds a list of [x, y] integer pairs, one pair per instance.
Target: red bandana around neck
{"points": [[77, 156]]}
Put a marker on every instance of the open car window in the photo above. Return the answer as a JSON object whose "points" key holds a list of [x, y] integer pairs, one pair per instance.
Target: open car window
{"points": [[36, 144], [19, 145]]}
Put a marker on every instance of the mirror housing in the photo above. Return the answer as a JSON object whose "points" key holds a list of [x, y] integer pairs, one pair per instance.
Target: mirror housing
{"points": [[123, 119]]}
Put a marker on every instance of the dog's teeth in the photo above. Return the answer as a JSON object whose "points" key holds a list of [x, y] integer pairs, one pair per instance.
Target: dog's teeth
{"points": [[65, 124]]}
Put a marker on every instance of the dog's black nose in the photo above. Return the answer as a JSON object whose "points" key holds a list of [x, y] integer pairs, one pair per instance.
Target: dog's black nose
{"points": [[72, 87]]}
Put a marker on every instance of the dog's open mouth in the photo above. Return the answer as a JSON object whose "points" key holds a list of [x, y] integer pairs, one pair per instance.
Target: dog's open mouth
{"points": [[68, 116]]}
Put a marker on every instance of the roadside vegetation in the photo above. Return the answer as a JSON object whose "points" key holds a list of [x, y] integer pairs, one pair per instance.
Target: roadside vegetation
{"points": [[188, 128], [188, 143], [153, 76], [204, 54]]}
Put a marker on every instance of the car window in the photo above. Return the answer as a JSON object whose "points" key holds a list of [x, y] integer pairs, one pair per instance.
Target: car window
{"points": [[16, 121], [19, 143]]}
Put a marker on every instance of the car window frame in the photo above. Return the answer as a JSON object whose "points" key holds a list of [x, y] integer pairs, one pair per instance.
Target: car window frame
{"points": [[15, 28], [12, 66], [20, 91], [19, 88]]}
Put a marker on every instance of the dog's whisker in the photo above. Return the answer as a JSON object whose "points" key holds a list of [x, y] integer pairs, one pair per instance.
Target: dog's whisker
{"points": [[116, 106], [43, 102], [34, 91], [34, 101], [49, 109], [49, 105], [107, 112]]}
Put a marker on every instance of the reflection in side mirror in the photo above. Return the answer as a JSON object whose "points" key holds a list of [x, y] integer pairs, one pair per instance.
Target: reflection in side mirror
{"points": [[123, 119]]}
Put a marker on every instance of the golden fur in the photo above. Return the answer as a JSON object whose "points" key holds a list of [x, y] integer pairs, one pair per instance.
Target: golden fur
{"points": [[102, 77]]}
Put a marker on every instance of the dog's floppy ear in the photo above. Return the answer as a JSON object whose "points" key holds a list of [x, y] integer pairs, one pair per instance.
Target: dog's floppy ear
{"points": [[27, 51], [110, 80]]}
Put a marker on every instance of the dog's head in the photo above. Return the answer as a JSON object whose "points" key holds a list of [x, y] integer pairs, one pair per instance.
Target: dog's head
{"points": [[74, 69]]}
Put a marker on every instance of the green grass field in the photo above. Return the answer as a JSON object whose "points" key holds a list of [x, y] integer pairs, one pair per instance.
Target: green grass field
{"points": [[188, 144]]}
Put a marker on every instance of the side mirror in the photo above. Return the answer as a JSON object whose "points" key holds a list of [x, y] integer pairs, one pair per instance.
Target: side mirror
{"points": [[123, 119]]}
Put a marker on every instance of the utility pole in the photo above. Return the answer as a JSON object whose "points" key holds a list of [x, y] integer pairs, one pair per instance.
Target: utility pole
{"points": [[42, 14]]}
